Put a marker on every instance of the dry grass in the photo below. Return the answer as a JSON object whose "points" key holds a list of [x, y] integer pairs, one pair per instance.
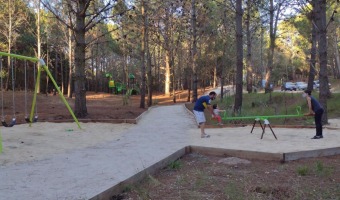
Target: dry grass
{"points": [[202, 177]]}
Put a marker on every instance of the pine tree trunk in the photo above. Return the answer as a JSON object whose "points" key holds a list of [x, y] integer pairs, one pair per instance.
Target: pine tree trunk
{"points": [[312, 52], [194, 51], [173, 78], [96, 81], [149, 69], [337, 57], [272, 36], [142, 90], [167, 73], [38, 43], [80, 109], [322, 47], [249, 53], [62, 74], [69, 85], [56, 71], [239, 57], [9, 44], [271, 47], [215, 74]]}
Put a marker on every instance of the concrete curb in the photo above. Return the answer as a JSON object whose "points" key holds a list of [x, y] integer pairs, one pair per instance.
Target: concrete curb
{"points": [[311, 154], [211, 151]]}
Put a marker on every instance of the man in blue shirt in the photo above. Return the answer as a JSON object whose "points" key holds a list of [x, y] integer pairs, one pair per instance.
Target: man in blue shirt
{"points": [[202, 103]]}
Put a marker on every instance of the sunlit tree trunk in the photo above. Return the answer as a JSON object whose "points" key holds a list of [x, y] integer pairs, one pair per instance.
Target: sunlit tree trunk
{"points": [[70, 64], [168, 50], [167, 73]]}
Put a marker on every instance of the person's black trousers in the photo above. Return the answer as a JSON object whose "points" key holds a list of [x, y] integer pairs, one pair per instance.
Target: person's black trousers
{"points": [[318, 122]]}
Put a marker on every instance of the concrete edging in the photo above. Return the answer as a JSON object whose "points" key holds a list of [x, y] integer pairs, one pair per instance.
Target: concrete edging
{"points": [[311, 154], [211, 151]]}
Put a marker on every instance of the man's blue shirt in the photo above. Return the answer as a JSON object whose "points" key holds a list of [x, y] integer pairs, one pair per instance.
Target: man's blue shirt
{"points": [[199, 103]]}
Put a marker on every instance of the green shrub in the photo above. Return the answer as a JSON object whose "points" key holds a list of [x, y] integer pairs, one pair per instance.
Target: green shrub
{"points": [[175, 165], [302, 170]]}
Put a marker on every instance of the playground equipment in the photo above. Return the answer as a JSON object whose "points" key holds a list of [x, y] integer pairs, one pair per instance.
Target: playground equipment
{"points": [[3, 122], [133, 87], [264, 119], [111, 84], [120, 88], [26, 112], [132, 80], [42, 66]]}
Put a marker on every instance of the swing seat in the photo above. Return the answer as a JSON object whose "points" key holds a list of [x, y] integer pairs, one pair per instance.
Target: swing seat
{"points": [[13, 122], [35, 119]]}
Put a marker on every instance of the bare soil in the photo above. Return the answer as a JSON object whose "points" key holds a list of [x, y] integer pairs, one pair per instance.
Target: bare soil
{"points": [[203, 177], [101, 107]]}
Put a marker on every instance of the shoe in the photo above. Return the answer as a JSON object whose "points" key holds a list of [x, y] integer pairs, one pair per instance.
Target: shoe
{"points": [[205, 136], [220, 124], [317, 137]]}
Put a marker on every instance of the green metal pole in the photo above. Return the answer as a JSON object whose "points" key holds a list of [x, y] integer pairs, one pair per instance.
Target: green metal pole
{"points": [[35, 95], [298, 110], [19, 57], [41, 65], [61, 95]]}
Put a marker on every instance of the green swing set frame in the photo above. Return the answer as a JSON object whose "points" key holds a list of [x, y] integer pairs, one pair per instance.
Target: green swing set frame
{"points": [[42, 66]]}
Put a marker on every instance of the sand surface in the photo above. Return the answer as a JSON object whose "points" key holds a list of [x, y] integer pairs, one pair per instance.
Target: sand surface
{"points": [[22, 143], [60, 161]]}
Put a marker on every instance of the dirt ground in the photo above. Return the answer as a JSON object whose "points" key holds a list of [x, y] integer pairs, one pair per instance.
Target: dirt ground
{"points": [[200, 177], [101, 107]]}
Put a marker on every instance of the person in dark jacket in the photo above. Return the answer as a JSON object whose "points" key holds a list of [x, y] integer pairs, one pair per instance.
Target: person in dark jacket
{"points": [[314, 108]]}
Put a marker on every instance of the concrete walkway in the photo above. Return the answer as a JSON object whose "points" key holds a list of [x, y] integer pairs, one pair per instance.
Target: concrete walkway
{"points": [[84, 173]]}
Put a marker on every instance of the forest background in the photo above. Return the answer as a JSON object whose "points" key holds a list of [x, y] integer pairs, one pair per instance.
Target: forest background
{"points": [[157, 46]]}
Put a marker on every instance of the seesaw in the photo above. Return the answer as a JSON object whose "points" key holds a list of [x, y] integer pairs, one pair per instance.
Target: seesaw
{"points": [[264, 119]]}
